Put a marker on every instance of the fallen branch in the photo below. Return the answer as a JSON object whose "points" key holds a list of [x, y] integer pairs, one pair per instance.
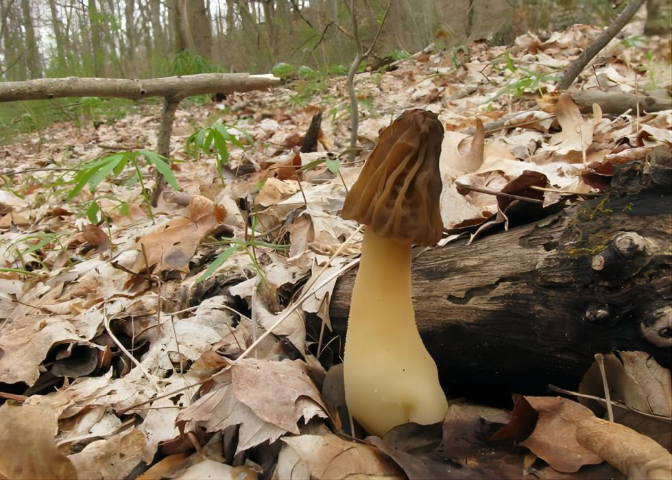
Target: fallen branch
{"points": [[174, 87], [577, 66]]}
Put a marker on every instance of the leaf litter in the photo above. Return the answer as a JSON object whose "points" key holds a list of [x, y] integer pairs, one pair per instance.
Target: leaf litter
{"points": [[129, 361]]}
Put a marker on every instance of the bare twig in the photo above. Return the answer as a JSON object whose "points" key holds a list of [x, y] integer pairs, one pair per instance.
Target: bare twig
{"points": [[106, 324], [489, 191], [577, 66], [607, 396], [359, 57]]}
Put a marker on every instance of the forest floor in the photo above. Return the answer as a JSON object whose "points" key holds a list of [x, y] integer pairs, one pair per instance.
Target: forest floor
{"points": [[171, 342]]}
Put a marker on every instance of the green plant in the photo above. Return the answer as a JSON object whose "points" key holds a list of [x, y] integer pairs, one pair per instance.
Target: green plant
{"points": [[94, 172], [215, 140], [400, 55], [635, 41], [282, 70], [337, 70], [531, 81], [307, 72], [239, 245], [187, 63], [25, 249]]}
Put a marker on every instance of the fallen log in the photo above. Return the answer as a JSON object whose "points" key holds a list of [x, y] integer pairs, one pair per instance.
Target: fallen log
{"points": [[528, 307], [134, 89]]}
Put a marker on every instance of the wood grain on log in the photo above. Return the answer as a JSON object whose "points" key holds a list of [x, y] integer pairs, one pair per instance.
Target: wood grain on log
{"points": [[531, 306]]}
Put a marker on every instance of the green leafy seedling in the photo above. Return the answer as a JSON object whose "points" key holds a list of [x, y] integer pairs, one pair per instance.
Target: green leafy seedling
{"points": [[94, 172], [215, 140], [238, 245]]}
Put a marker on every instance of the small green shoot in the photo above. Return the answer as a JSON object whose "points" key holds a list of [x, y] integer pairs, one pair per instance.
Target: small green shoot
{"points": [[94, 172], [215, 140], [238, 245], [400, 55]]}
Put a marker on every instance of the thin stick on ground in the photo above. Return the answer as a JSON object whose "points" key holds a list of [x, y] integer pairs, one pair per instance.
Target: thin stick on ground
{"points": [[359, 58], [578, 65]]}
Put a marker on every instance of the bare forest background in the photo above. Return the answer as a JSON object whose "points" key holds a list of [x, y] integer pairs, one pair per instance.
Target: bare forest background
{"points": [[143, 38]]}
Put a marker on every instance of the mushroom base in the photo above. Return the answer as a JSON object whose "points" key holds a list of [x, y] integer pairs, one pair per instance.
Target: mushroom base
{"points": [[390, 378]]}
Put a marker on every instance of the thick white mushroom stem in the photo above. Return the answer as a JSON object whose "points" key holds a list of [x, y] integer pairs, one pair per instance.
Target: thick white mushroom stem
{"points": [[390, 378]]}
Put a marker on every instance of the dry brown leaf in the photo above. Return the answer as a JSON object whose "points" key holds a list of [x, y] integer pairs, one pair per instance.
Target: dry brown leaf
{"points": [[28, 447], [637, 381], [576, 134], [172, 245], [635, 455], [330, 457], [110, 459], [275, 191], [553, 438], [26, 341], [266, 398], [210, 469]]}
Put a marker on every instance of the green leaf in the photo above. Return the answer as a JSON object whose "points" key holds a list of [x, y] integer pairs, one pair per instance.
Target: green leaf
{"points": [[125, 209], [117, 164], [92, 212], [89, 171], [217, 262], [162, 167], [222, 148], [334, 165]]}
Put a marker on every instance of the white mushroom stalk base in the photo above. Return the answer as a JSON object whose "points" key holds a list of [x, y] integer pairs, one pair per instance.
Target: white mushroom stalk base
{"points": [[390, 379]]}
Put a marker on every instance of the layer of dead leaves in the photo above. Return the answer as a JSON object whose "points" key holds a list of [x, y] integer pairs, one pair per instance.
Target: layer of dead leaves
{"points": [[116, 362]]}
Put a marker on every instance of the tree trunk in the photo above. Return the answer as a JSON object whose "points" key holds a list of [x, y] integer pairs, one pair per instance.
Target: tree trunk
{"points": [[185, 29], [158, 38], [175, 26], [96, 39], [528, 307], [32, 50], [658, 17], [197, 22], [129, 12], [61, 60]]}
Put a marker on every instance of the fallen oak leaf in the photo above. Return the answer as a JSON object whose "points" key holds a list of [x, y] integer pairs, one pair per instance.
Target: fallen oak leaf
{"points": [[266, 398]]}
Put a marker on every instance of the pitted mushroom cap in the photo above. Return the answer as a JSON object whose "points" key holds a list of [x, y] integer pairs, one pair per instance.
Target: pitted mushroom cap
{"points": [[397, 193]]}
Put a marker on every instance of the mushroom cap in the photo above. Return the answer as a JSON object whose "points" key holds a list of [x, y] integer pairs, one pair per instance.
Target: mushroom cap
{"points": [[398, 191]]}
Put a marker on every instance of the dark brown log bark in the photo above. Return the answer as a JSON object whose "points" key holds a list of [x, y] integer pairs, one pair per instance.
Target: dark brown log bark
{"points": [[528, 307]]}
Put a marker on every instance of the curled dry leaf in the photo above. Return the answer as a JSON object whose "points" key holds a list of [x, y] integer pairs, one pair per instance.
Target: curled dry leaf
{"points": [[28, 447], [634, 454], [329, 456]]}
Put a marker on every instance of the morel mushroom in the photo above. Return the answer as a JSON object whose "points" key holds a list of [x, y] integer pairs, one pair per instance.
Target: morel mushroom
{"points": [[390, 378]]}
